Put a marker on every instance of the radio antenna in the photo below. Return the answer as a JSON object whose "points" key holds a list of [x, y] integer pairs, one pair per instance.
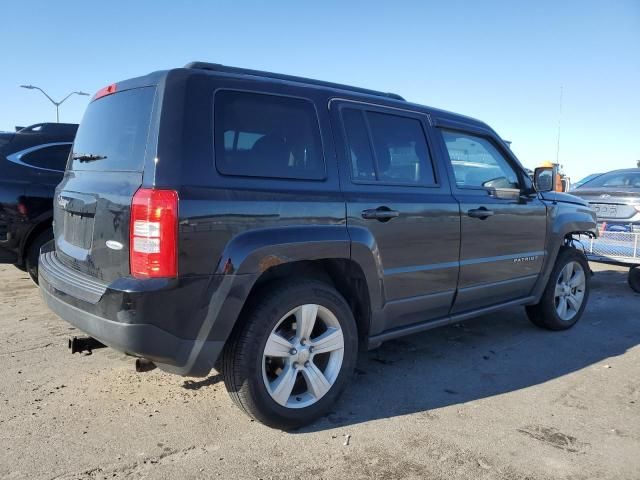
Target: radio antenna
{"points": [[559, 123]]}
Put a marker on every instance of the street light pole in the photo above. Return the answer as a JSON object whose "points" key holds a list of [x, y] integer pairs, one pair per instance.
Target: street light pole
{"points": [[57, 104]]}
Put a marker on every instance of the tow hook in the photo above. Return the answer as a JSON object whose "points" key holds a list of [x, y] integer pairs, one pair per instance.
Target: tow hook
{"points": [[84, 344], [144, 365]]}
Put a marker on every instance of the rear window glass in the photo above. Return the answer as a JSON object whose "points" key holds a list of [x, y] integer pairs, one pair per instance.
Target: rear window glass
{"points": [[113, 133], [258, 135], [50, 157]]}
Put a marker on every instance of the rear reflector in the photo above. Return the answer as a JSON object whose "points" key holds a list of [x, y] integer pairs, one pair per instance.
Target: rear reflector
{"points": [[108, 90], [154, 233]]}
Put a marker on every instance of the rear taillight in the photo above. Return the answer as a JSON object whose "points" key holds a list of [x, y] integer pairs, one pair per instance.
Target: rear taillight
{"points": [[153, 233]]}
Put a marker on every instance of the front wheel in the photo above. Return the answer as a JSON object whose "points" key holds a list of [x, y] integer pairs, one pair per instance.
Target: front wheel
{"points": [[566, 294], [292, 355]]}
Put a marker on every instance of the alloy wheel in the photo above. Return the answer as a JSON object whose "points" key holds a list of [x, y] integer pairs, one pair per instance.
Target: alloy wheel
{"points": [[303, 356], [570, 289]]}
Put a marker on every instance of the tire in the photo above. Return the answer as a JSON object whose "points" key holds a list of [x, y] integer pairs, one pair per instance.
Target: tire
{"points": [[33, 253], [253, 378], [634, 279], [548, 313]]}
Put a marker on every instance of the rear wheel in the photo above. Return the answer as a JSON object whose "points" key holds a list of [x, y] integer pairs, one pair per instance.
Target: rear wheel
{"points": [[634, 279], [293, 354], [34, 252], [566, 295]]}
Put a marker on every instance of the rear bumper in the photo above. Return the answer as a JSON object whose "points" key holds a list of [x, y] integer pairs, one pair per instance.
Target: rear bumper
{"points": [[171, 322], [142, 340]]}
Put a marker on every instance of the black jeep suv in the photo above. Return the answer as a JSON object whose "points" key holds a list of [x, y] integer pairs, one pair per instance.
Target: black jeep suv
{"points": [[32, 161], [271, 225]]}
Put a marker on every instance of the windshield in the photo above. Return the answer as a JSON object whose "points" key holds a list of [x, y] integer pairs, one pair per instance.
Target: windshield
{"points": [[588, 178], [113, 132], [628, 179]]}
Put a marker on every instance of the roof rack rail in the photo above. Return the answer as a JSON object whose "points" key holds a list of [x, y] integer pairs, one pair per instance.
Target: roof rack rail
{"points": [[217, 67]]}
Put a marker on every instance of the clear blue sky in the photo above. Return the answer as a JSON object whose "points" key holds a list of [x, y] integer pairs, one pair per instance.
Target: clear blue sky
{"points": [[502, 62]]}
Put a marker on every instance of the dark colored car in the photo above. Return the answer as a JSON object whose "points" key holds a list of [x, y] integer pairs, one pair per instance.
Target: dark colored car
{"points": [[32, 162], [615, 197], [271, 225]]}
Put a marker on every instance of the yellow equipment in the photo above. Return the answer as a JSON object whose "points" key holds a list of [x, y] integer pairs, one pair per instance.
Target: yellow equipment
{"points": [[561, 181]]}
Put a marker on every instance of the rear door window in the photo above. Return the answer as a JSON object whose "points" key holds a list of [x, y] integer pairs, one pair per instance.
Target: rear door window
{"points": [[113, 133], [260, 135], [387, 148], [362, 163]]}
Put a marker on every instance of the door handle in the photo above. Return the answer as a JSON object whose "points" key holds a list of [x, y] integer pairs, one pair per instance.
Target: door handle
{"points": [[383, 214], [482, 213]]}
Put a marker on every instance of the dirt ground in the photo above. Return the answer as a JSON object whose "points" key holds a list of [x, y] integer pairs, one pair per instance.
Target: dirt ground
{"points": [[492, 398]]}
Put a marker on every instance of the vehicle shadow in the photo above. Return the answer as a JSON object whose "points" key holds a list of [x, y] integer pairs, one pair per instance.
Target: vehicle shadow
{"points": [[205, 382], [483, 357], [487, 356]]}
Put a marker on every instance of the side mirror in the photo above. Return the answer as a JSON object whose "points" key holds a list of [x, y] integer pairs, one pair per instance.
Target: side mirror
{"points": [[543, 179]]}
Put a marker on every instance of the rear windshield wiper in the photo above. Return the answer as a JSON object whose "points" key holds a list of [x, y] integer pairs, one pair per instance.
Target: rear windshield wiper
{"points": [[88, 157]]}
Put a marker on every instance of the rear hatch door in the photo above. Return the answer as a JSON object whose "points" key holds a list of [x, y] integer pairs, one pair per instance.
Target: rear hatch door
{"points": [[92, 204]]}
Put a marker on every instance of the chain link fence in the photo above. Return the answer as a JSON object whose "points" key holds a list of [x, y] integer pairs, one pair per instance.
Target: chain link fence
{"points": [[621, 247]]}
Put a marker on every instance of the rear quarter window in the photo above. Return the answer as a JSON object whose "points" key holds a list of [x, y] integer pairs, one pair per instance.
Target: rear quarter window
{"points": [[261, 135], [114, 131], [49, 157]]}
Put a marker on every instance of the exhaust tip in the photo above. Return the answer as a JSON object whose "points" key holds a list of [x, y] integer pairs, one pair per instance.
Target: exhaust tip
{"points": [[144, 365]]}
